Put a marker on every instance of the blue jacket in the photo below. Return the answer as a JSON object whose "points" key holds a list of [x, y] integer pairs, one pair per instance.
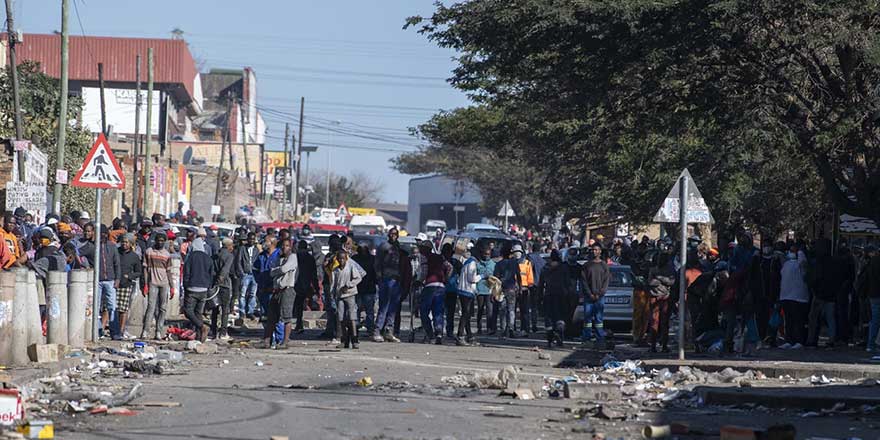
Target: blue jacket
{"points": [[263, 268]]}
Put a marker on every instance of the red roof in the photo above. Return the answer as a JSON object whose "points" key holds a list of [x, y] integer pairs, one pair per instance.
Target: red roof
{"points": [[172, 61]]}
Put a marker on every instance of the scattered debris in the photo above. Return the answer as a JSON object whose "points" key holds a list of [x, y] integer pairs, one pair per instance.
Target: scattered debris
{"points": [[162, 404], [484, 379], [820, 380], [365, 381], [259, 363], [544, 356]]}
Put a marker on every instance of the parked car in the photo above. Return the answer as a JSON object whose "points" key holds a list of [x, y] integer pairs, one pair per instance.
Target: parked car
{"points": [[224, 230], [433, 225], [480, 239], [618, 299]]}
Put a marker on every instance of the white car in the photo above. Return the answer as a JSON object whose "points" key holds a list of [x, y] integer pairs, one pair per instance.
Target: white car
{"points": [[224, 230]]}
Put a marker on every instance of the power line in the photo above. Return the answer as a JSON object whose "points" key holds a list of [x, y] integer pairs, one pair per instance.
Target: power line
{"points": [[332, 71], [356, 133], [289, 78], [83, 31]]}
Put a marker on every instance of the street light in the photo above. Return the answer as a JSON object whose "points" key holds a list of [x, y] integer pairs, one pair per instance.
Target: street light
{"points": [[308, 149]]}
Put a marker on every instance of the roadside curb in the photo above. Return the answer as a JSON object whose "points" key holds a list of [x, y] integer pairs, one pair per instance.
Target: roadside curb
{"points": [[797, 370], [817, 398]]}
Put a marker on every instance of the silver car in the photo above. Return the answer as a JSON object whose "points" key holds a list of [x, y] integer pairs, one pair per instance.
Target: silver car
{"points": [[618, 299]]}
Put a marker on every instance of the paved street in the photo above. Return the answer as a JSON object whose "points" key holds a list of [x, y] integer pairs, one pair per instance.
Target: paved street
{"points": [[240, 400]]}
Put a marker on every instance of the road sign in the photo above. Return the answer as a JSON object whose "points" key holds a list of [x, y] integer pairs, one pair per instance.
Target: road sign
{"points": [[100, 169], [30, 196], [506, 210], [342, 211], [697, 211]]}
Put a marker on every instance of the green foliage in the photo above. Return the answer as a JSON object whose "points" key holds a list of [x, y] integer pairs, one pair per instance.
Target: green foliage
{"points": [[772, 104], [40, 104], [357, 190]]}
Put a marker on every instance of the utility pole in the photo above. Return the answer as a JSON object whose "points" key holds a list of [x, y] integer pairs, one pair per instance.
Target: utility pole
{"points": [[101, 86], [287, 163], [247, 167], [226, 138], [147, 165], [136, 150], [295, 184], [62, 115], [16, 95]]}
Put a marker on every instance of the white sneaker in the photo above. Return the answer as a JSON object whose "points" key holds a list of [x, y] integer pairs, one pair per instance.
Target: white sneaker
{"points": [[797, 346], [785, 346], [334, 341]]}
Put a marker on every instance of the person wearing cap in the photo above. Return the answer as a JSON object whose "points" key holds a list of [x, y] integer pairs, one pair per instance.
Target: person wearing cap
{"points": [[468, 278], [507, 270], [130, 272], [596, 278], [527, 284], [108, 281], [555, 287]]}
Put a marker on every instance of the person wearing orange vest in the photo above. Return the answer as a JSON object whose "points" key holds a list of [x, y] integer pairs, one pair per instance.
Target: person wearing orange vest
{"points": [[10, 239], [527, 284]]}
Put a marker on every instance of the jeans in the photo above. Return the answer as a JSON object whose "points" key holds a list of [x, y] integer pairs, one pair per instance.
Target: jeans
{"points": [[247, 301], [493, 313], [464, 324], [433, 301], [108, 298], [874, 327], [389, 304], [528, 313], [821, 309], [508, 311], [795, 321], [299, 305], [483, 304], [265, 297], [594, 315], [450, 301], [368, 302], [332, 321], [220, 314], [157, 300], [748, 321], [193, 305]]}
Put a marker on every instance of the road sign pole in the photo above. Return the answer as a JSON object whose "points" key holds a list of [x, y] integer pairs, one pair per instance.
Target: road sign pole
{"points": [[683, 223], [96, 301]]}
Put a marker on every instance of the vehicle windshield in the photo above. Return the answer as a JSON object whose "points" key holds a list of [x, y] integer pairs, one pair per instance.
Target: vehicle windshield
{"points": [[621, 278], [500, 243], [366, 229]]}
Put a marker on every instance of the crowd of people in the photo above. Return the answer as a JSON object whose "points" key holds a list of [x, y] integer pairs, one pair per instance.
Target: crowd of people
{"points": [[739, 296]]}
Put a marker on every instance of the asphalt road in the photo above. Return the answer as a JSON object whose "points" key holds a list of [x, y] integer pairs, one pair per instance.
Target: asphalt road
{"points": [[241, 400]]}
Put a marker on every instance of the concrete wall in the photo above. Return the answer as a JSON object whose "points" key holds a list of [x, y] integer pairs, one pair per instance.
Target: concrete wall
{"points": [[441, 192]]}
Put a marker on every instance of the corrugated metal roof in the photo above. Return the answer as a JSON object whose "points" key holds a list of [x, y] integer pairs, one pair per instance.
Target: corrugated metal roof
{"points": [[172, 61]]}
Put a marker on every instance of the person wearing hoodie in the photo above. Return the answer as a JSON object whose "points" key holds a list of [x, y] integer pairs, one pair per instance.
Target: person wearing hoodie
{"points": [[223, 267], [245, 256], [198, 277], [131, 269], [795, 297], [282, 302], [555, 287], [467, 292], [485, 268], [343, 289], [434, 271], [268, 258]]}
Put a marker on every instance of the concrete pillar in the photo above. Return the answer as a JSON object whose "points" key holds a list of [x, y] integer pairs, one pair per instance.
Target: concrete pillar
{"points": [[35, 324], [76, 307], [7, 294], [56, 309], [19, 319], [172, 312], [90, 298]]}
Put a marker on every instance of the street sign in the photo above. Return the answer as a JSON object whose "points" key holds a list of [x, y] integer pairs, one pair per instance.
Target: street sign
{"points": [[61, 176], [100, 169], [342, 211], [36, 166], [281, 180], [697, 211], [506, 210], [30, 196]]}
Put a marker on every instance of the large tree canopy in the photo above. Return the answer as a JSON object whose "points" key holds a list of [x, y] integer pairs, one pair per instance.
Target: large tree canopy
{"points": [[772, 104]]}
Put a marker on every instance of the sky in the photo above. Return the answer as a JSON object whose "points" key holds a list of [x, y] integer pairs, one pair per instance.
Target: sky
{"points": [[365, 80]]}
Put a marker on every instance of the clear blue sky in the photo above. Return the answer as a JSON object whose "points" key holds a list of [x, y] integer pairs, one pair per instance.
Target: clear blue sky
{"points": [[350, 59]]}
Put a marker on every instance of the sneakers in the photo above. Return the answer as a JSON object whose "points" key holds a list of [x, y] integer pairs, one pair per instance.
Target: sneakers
{"points": [[335, 341], [389, 337], [438, 340], [797, 346], [377, 338], [785, 346]]}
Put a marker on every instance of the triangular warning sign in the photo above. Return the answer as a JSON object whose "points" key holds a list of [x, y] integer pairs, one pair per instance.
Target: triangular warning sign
{"points": [[697, 210], [100, 169]]}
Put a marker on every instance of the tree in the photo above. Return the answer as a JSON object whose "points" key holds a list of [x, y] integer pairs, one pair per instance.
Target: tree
{"points": [[40, 104], [357, 190], [761, 99]]}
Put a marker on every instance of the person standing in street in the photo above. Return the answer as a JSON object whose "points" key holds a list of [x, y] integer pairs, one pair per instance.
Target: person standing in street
{"points": [[157, 276], [507, 271], [467, 292], [524, 300], [451, 255], [554, 286], [824, 286], [108, 282], [281, 304], [223, 267], [535, 298], [268, 258], [130, 271], [245, 257], [596, 276], [434, 271], [198, 278], [343, 289], [306, 281], [872, 276], [388, 271], [366, 296], [795, 297], [483, 303]]}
